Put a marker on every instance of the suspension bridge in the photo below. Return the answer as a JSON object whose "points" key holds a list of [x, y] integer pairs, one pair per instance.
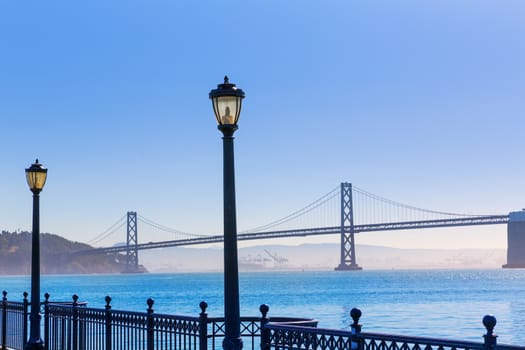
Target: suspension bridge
{"points": [[356, 211]]}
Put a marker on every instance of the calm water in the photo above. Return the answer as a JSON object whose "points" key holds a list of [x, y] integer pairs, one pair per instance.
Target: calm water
{"points": [[447, 304]]}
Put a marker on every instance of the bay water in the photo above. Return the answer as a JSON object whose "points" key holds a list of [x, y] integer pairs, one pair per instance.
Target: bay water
{"points": [[435, 303]]}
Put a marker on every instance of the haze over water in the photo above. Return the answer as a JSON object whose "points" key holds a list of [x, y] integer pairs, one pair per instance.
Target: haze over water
{"points": [[436, 303]]}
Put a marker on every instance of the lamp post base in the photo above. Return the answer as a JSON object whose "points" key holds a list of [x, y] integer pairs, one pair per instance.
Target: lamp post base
{"points": [[232, 344], [35, 345]]}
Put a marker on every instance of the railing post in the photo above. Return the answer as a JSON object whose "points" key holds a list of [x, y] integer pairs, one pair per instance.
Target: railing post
{"points": [[355, 313], [81, 316], [4, 319], [46, 321], [26, 319], [75, 322], [265, 333], [203, 326], [150, 337], [490, 338], [108, 322]]}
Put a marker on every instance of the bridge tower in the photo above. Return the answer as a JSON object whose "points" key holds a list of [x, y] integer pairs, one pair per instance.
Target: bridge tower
{"points": [[348, 260], [516, 240], [132, 252]]}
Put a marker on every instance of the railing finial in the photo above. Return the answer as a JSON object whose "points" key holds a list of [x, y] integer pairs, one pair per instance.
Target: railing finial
{"points": [[150, 303], [355, 313], [203, 305], [489, 321], [46, 297], [264, 310]]}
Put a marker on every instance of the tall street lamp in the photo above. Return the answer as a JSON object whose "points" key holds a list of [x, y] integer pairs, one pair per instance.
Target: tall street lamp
{"points": [[36, 179], [227, 101]]}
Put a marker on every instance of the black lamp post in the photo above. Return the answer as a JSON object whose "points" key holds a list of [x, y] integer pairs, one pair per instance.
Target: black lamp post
{"points": [[36, 179], [227, 101]]}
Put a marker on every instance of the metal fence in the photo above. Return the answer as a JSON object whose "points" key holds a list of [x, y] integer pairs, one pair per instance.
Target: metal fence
{"points": [[14, 322], [281, 336], [74, 326]]}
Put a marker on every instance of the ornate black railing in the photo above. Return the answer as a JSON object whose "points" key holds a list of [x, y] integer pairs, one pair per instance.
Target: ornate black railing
{"points": [[295, 337], [14, 318], [74, 326]]}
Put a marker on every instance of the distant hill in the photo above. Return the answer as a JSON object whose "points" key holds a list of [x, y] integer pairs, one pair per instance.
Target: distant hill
{"points": [[55, 256]]}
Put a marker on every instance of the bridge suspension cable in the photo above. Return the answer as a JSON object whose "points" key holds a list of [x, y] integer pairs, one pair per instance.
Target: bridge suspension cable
{"points": [[167, 229], [109, 231], [370, 208], [406, 206], [296, 214]]}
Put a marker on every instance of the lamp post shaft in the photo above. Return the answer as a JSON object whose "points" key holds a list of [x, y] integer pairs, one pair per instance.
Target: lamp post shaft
{"points": [[35, 340], [232, 339]]}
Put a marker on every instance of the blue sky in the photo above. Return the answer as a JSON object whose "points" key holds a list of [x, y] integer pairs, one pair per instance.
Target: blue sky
{"points": [[418, 101]]}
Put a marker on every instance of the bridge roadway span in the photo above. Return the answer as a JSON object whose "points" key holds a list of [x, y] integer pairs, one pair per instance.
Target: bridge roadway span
{"points": [[390, 226]]}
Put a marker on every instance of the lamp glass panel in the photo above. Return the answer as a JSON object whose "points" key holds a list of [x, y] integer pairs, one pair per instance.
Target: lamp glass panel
{"points": [[227, 109], [36, 179]]}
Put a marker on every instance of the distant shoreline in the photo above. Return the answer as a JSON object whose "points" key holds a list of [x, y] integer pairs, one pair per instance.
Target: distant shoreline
{"points": [[323, 257]]}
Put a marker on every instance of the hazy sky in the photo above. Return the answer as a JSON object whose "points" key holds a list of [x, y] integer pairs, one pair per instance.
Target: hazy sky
{"points": [[422, 102]]}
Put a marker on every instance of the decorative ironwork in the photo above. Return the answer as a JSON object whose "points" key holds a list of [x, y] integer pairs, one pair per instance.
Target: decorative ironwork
{"points": [[250, 331], [74, 326], [14, 322], [294, 337]]}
